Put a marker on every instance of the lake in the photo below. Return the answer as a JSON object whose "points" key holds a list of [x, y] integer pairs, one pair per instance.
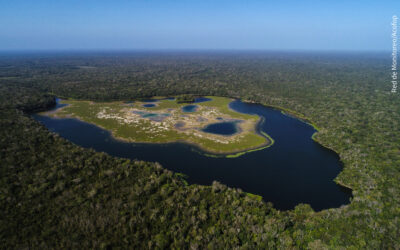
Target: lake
{"points": [[295, 169]]}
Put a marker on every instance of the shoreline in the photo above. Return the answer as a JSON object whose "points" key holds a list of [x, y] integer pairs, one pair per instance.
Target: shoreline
{"points": [[203, 151], [197, 147], [307, 120], [233, 154]]}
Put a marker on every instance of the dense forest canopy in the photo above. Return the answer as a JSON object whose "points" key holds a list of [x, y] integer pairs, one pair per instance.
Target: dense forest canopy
{"points": [[55, 194]]}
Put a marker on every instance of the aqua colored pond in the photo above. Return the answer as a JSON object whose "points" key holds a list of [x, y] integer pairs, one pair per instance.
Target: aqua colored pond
{"points": [[294, 170], [221, 128], [152, 116], [150, 105], [201, 99], [189, 108]]}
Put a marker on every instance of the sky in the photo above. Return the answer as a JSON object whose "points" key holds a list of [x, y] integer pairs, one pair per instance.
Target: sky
{"points": [[203, 24]]}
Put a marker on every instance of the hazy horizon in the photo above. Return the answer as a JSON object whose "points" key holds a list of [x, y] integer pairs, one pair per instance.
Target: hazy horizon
{"points": [[194, 26]]}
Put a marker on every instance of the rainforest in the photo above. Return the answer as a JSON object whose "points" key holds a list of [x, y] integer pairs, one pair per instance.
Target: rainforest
{"points": [[76, 173]]}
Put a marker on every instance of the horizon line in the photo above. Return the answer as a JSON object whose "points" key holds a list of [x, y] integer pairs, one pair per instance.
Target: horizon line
{"points": [[188, 50]]}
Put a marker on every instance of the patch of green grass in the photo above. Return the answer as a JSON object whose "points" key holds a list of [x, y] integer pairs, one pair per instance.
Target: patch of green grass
{"points": [[254, 196]]}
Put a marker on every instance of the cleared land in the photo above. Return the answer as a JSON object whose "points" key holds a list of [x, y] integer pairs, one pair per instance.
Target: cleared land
{"points": [[166, 122]]}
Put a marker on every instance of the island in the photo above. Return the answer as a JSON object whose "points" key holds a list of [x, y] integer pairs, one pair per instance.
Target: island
{"points": [[206, 122]]}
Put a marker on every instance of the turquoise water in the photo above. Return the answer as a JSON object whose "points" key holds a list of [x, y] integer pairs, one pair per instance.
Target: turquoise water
{"points": [[189, 108], [152, 116]]}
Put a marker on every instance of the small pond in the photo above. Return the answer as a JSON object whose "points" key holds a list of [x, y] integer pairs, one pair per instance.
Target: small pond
{"points": [[202, 99], [158, 117], [150, 105], [221, 128], [189, 108]]}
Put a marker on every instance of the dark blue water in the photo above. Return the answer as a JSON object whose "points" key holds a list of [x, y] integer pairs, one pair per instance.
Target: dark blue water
{"points": [[189, 108], [148, 105], [294, 170], [221, 128], [201, 99]]}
